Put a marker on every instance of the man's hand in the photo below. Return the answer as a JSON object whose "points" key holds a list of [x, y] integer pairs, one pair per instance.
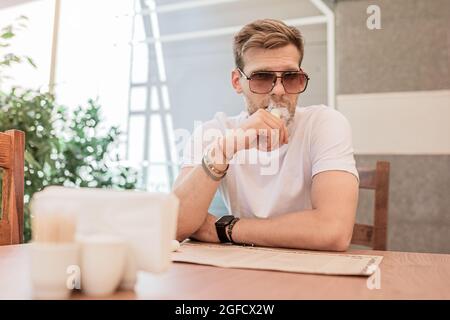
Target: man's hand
{"points": [[262, 130], [264, 124], [207, 232]]}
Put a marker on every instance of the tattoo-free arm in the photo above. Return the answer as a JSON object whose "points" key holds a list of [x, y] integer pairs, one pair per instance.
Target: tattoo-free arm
{"points": [[328, 226]]}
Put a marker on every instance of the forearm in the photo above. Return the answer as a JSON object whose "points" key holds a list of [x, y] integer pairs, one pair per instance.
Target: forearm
{"points": [[195, 193], [301, 230], [196, 190]]}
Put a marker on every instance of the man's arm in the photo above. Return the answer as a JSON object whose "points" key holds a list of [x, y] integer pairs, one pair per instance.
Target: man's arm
{"points": [[328, 226], [195, 190]]}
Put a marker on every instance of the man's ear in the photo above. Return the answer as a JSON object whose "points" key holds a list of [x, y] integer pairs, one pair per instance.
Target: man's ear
{"points": [[235, 77]]}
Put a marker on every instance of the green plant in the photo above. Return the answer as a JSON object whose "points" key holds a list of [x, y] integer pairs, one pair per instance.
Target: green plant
{"points": [[8, 59], [89, 158], [62, 148]]}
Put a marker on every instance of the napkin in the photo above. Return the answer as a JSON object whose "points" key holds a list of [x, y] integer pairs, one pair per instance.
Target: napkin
{"points": [[147, 220]]}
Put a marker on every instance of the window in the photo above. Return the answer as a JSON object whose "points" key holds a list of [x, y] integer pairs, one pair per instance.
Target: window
{"points": [[34, 41], [158, 66]]}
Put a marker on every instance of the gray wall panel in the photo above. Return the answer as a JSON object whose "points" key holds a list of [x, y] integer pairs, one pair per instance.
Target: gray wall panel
{"points": [[410, 52], [419, 206]]}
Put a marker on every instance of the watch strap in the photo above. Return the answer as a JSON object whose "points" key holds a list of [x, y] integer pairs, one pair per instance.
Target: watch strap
{"points": [[230, 229], [221, 228], [222, 234]]}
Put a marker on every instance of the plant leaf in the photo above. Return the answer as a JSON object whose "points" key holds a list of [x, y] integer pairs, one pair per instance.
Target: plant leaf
{"points": [[7, 35], [31, 61]]}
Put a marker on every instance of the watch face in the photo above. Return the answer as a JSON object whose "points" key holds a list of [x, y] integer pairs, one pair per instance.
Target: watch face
{"points": [[225, 220]]}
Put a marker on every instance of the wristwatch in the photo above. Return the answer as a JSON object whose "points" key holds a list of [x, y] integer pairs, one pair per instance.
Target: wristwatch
{"points": [[221, 227]]}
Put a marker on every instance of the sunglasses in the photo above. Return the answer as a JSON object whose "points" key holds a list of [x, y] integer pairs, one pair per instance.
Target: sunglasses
{"points": [[263, 82]]}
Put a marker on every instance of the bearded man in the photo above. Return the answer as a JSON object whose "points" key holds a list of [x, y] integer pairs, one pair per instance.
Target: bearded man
{"points": [[287, 174]]}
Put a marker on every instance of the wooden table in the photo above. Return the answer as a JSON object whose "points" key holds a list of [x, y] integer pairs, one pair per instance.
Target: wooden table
{"points": [[403, 276]]}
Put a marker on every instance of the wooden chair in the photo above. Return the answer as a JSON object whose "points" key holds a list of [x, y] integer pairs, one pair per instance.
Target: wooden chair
{"points": [[374, 179], [12, 146]]}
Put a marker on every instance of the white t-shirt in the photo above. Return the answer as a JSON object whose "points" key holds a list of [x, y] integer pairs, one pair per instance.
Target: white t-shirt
{"points": [[266, 184]]}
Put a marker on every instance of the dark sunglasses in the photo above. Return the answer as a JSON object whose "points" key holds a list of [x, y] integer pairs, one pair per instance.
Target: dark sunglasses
{"points": [[262, 82]]}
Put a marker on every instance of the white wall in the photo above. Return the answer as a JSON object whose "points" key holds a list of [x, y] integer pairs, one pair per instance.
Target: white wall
{"points": [[416, 122]]}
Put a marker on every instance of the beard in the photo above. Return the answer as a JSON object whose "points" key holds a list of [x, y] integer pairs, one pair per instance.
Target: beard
{"points": [[270, 103]]}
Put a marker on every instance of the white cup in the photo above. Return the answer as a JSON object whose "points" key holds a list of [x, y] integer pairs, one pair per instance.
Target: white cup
{"points": [[103, 259], [130, 274], [52, 265]]}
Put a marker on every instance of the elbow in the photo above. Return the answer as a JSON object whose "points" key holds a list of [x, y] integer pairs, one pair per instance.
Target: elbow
{"points": [[340, 244], [187, 224], [339, 232], [339, 238], [181, 237], [184, 231]]}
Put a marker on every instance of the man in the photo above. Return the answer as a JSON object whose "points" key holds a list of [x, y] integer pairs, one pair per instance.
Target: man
{"points": [[309, 200]]}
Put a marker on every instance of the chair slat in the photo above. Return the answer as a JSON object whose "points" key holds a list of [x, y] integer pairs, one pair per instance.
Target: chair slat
{"points": [[381, 205], [362, 234], [12, 220], [5, 151], [367, 178], [375, 179]]}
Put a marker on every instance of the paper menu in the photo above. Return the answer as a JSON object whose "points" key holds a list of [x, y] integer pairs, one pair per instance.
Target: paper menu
{"points": [[288, 260]]}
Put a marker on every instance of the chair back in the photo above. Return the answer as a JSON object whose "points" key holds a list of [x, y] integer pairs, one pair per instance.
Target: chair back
{"points": [[377, 179], [12, 147]]}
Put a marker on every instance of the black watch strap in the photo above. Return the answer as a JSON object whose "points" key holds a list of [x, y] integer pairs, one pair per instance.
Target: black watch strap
{"points": [[222, 234], [221, 227]]}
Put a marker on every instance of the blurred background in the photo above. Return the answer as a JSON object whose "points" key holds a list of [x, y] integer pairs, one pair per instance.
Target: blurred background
{"points": [[156, 68]]}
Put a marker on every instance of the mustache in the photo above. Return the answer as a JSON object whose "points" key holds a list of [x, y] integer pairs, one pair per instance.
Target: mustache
{"points": [[278, 103]]}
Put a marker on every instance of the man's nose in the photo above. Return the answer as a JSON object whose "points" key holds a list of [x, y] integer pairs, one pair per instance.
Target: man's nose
{"points": [[278, 89]]}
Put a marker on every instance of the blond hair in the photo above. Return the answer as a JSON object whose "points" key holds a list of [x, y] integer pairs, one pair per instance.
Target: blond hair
{"points": [[267, 34]]}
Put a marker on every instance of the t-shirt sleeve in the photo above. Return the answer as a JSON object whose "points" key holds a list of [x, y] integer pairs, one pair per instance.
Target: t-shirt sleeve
{"points": [[331, 143], [203, 136]]}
